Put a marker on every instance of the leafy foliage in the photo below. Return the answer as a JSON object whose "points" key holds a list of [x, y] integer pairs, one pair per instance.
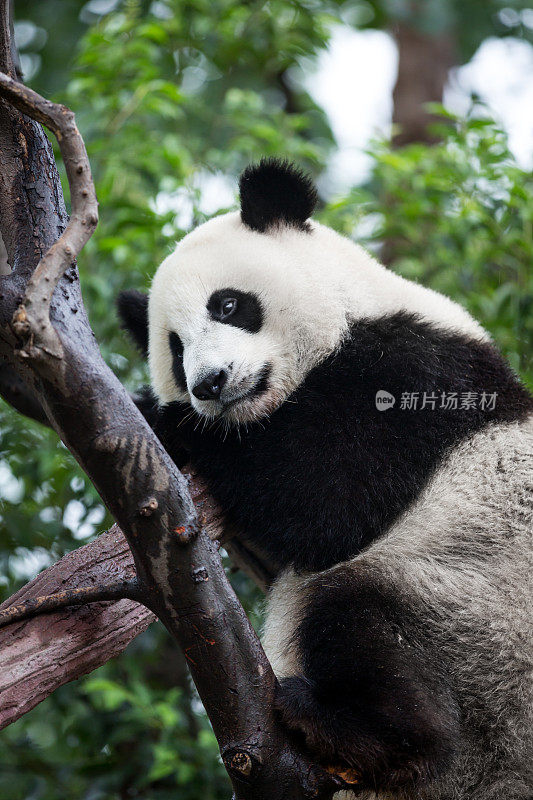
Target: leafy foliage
{"points": [[174, 98], [458, 217]]}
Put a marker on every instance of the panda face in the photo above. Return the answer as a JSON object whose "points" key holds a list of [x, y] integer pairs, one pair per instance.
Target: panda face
{"points": [[237, 318], [222, 359]]}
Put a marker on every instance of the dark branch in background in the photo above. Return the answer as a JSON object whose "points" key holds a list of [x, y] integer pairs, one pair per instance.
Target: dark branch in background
{"points": [[424, 61], [50, 603], [177, 566]]}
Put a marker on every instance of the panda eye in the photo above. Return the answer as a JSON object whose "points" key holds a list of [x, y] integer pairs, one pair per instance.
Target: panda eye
{"points": [[236, 308], [228, 307]]}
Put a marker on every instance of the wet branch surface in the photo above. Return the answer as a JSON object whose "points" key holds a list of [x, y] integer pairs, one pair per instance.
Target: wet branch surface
{"points": [[46, 341]]}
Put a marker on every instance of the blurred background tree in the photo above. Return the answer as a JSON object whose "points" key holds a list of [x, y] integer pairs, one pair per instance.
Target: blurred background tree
{"points": [[173, 98], [432, 37]]}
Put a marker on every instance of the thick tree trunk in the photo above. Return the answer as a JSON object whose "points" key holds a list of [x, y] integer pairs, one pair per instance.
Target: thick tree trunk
{"points": [[424, 61], [46, 340]]}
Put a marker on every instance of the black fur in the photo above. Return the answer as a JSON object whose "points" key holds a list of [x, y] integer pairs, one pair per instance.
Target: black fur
{"points": [[132, 309], [316, 483], [375, 696], [176, 348], [262, 382], [275, 192], [147, 404], [248, 314], [328, 473]]}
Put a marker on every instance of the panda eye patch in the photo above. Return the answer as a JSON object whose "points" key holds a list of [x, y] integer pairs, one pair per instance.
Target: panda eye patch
{"points": [[176, 349], [239, 309]]}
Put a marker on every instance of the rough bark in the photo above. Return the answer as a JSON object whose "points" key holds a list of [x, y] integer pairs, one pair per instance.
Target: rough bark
{"points": [[38, 655], [178, 568], [41, 654], [424, 61]]}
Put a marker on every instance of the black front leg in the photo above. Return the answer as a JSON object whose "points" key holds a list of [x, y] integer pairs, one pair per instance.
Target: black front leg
{"points": [[146, 402], [370, 696], [179, 426], [174, 424]]}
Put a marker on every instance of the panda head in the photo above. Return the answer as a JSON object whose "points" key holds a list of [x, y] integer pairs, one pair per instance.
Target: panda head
{"points": [[245, 305], [251, 301]]}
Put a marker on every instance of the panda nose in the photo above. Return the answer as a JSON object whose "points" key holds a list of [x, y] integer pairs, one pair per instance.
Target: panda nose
{"points": [[210, 387]]}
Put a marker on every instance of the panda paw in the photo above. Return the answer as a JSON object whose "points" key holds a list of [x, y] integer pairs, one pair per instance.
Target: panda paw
{"points": [[300, 711], [336, 735]]}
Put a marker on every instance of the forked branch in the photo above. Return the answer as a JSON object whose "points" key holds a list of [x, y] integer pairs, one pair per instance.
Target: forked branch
{"points": [[41, 654], [31, 320]]}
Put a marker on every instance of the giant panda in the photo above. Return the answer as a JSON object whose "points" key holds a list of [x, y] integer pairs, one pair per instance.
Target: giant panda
{"points": [[362, 434]]}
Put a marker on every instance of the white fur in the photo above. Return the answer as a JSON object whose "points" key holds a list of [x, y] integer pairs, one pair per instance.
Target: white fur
{"points": [[312, 286]]}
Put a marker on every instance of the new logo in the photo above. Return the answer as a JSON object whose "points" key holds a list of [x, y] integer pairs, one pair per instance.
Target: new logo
{"points": [[384, 400]]}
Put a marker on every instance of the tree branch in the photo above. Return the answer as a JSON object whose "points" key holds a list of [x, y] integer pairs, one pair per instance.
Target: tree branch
{"points": [[39, 655], [31, 321], [7, 50], [88, 636], [50, 603], [33, 212], [149, 498]]}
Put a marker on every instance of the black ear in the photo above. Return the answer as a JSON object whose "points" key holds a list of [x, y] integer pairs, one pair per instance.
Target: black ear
{"points": [[132, 309], [275, 192]]}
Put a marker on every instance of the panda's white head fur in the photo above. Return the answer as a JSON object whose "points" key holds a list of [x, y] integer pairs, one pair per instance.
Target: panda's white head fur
{"points": [[250, 301]]}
